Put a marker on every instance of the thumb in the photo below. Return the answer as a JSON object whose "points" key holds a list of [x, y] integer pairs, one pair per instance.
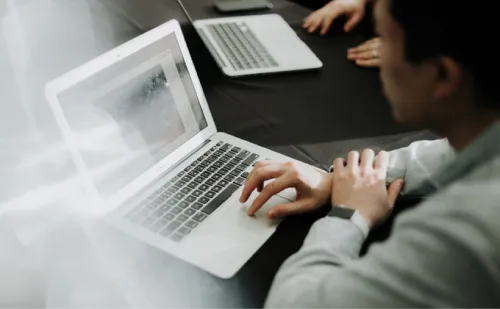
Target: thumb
{"points": [[285, 210], [394, 190], [353, 21]]}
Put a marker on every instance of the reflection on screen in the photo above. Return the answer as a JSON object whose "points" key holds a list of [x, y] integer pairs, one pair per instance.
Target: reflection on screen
{"points": [[132, 116]]}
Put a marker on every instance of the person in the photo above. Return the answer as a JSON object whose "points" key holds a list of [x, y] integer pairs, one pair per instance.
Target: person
{"points": [[444, 252], [364, 55]]}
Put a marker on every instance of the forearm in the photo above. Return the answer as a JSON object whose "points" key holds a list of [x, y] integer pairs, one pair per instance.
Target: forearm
{"points": [[331, 242]]}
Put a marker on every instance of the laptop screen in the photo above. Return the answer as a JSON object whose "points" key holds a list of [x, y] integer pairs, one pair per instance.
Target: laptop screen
{"points": [[131, 115]]}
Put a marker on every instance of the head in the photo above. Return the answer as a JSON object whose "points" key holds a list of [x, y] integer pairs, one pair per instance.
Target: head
{"points": [[435, 66]]}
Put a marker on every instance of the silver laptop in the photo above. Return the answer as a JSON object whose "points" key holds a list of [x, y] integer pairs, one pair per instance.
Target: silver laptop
{"points": [[141, 134], [257, 44]]}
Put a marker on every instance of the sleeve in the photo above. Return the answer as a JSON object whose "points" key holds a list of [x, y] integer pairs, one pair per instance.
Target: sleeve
{"points": [[436, 260], [417, 162]]}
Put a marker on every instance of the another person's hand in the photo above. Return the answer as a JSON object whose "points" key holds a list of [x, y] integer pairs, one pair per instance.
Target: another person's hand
{"points": [[366, 54], [361, 185], [324, 17], [313, 187]]}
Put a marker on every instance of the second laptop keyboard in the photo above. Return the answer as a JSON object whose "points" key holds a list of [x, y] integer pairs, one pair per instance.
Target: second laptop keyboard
{"points": [[241, 47], [186, 200]]}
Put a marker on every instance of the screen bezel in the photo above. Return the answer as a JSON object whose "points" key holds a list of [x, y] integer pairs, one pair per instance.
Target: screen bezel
{"points": [[68, 80]]}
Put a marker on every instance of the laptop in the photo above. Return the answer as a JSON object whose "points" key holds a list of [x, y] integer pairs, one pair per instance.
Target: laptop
{"points": [[255, 44], [146, 147]]}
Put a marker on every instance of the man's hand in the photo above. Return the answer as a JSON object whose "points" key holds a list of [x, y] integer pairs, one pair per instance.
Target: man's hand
{"points": [[361, 185], [366, 54], [313, 187], [324, 17]]}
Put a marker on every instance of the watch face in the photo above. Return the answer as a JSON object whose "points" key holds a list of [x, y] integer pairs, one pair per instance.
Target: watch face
{"points": [[342, 212]]}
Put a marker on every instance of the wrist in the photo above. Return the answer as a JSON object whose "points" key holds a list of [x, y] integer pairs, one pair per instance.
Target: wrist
{"points": [[353, 215]]}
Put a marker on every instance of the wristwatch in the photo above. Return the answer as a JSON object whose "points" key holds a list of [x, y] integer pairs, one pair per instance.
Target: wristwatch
{"points": [[352, 215]]}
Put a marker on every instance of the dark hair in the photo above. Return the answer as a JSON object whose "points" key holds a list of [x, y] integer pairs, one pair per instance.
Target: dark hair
{"points": [[462, 30]]}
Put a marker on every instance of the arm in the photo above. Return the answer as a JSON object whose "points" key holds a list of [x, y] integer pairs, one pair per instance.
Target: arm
{"points": [[435, 258]]}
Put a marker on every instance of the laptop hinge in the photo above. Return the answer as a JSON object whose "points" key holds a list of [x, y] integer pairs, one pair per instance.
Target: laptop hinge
{"points": [[187, 157]]}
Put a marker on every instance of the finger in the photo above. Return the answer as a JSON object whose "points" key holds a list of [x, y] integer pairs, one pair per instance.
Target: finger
{"points": [[307, 20], [366, 55], [258, 177], [371, 63], [271, 189], [367, 159], [394, 191], [314, 25], [260, 187], [353, 21], [327, 22], [338, 164], [360, 48], [382, 161], [289, 209], [353, 161]]}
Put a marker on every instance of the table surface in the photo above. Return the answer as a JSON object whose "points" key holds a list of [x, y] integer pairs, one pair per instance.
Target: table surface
{"points": [[313, 116]]}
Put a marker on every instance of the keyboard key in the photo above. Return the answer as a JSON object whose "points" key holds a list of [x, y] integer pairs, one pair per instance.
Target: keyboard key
{"points": [[218, 164], [216, 177], [210, 181], [181, 173], [239, 180], [166, 195], [225, 146], [235, 149], [165, 208], [172, 202], [176, 237], [244, 175], [189, 212], [191, 224], [192, 185], [251, 159], [181, 183], [176, 210], [216, 188], [203, 187], [199, 179], [170, 228], [199, 217], [210, 194], [229, 177], [168, 217], [188, 168], [190, 199], [223, 183], [220, 199], [211, 169], [180, 196], [198, 168], [194, 163], [197, 206], [184, 230], [219, 152], [185, 178], [242, 155], [197, 193], [183, 204], [203, 200], [182, 217], [186, 190], [205, 174], [193, 173]]}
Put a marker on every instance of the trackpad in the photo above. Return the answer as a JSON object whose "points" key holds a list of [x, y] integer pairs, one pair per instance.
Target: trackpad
{"points": [[261, 215]]}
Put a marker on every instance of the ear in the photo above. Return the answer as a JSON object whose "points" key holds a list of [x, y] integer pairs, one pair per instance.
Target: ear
{"points": [[450, 78]]}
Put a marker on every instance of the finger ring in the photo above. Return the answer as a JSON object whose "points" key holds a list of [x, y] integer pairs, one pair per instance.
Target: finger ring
{"points": [[375, 53]]}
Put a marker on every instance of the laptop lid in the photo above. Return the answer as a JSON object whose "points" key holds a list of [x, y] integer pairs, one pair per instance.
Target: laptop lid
{"points": [[132, 113]]}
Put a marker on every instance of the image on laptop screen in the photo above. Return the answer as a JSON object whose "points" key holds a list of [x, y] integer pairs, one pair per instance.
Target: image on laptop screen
{"points": [[131, 115]]}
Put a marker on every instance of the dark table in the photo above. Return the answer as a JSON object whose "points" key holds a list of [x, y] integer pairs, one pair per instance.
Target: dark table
{"points": [[312, 116]]}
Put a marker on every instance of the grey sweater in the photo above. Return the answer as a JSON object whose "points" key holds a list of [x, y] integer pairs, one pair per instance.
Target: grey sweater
{"points": [[443, 253]]}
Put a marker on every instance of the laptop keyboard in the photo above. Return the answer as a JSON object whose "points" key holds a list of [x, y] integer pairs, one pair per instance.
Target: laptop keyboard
{"points": [[185, 201], [241, 46]]}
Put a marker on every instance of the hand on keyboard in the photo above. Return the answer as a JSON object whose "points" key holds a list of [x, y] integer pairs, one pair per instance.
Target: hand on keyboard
{"points": [[313, 187]]}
